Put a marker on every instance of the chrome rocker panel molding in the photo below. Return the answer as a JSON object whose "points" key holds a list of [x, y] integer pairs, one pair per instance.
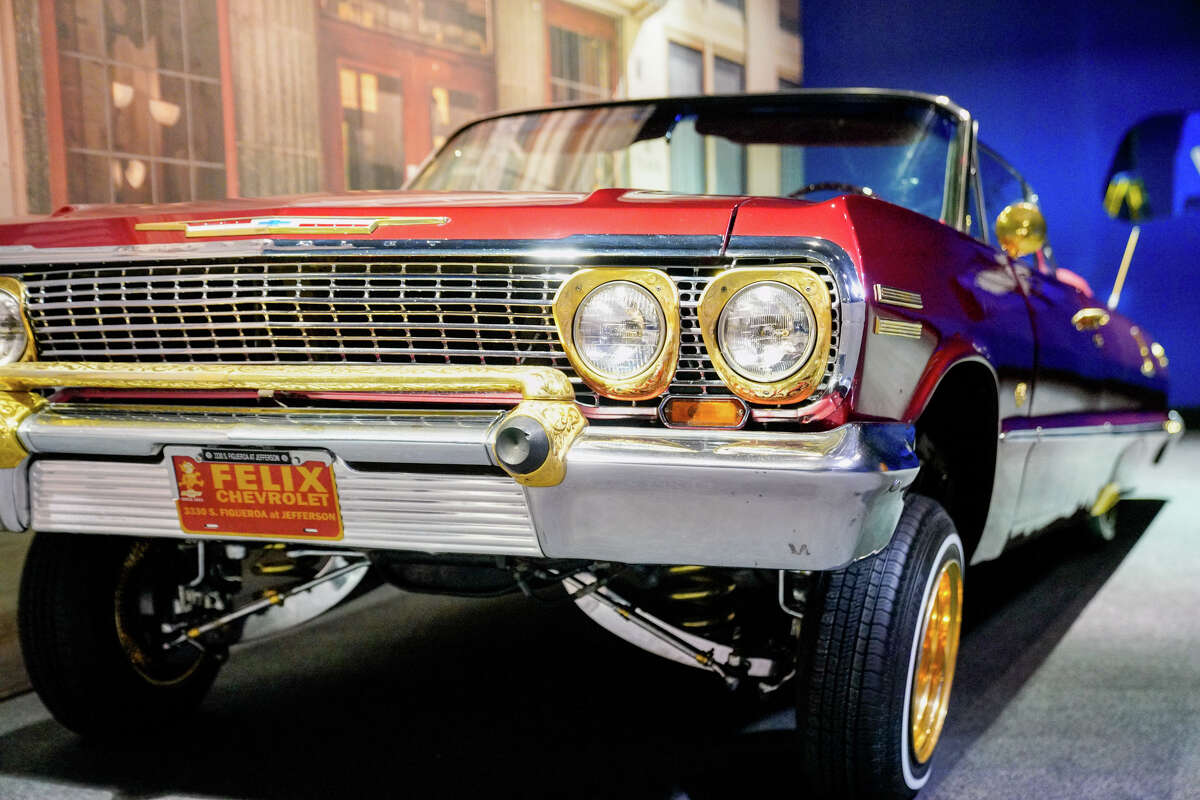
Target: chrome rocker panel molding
{"points": [[814, 500]]}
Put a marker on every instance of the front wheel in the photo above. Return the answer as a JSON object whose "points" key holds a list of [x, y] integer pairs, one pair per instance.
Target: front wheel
{"points": [[876, 661], [94, 613]]}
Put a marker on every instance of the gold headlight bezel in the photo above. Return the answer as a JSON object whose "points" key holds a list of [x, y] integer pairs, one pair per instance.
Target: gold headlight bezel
{"points": [[655, 378], [801, 383], [17, 289]]}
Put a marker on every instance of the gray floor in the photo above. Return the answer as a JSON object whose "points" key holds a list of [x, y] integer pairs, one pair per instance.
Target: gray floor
{"points": [[1079, 676]]}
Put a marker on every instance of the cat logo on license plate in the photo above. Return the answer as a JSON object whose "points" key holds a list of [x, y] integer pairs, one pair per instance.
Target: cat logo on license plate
{"points": [[274, 494]]}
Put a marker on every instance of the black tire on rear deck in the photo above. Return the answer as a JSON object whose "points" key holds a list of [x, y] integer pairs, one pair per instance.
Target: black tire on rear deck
{"points": [[83, 636], [860, 646]]}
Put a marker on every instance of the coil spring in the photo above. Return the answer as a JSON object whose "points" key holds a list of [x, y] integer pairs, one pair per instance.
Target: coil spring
{"points": [[703, 595]]}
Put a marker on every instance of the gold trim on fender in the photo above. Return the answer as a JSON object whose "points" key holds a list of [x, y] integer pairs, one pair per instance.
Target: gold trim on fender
{"points": [[533, 383], [890, 296], [897, 327], [1020, 393], [14, 408], [1090, 318], [801, 383], [1143, 350], [311, 226], [655, 378]]}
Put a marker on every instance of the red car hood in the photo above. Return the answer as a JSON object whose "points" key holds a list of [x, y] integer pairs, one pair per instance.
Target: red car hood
{"points": [[391, 216]]}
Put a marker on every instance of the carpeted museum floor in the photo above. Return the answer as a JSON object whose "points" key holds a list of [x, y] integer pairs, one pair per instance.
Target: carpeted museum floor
{"points": [[1079, 677]]}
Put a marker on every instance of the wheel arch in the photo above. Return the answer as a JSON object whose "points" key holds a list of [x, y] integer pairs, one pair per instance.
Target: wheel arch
{"points": [[957, 438]]}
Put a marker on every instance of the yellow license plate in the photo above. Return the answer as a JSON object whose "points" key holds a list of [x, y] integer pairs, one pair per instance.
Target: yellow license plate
{"points": [[272, 494]]}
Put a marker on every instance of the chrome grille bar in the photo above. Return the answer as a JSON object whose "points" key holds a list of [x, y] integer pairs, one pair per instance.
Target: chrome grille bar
{"points": [[328, 310]]}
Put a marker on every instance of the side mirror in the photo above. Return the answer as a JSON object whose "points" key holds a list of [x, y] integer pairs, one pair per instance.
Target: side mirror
{"points": [[1155, 173], [1021, 229]]}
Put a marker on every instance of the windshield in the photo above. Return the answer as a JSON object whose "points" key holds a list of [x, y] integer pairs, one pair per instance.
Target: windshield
{"points": [[899, 149]]}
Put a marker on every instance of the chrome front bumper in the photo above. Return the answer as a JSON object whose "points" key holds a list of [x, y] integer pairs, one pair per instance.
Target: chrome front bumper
{"points": [[429, 481]]}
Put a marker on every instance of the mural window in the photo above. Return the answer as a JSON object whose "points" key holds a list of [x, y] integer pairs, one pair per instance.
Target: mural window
{"points": [[581, 46], [141, 100], [729, 159], [685, 76], [461, 24], [449, 110], [372, 129], [791, 159], [579, 66], [789, 16]]}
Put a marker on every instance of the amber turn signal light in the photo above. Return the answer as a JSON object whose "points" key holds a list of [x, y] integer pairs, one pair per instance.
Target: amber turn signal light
{"points": [[688, 412]]}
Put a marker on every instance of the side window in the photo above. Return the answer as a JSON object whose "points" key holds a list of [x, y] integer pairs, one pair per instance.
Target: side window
{"points": [[1001, 186]]}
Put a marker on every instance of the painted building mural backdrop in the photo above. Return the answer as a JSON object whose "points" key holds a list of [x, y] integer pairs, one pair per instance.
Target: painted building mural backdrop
{"points": [[164, 101]]}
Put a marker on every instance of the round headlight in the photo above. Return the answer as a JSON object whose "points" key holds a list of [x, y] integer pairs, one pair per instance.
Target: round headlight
{"points": [[619, 329], [12, 329], [766, 331]]}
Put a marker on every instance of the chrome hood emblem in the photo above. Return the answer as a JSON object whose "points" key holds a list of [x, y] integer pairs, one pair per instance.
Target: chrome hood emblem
{"points": [[302, 226]]}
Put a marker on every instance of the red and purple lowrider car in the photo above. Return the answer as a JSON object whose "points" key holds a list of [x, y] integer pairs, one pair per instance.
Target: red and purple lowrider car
{"points": [[753, 379]]}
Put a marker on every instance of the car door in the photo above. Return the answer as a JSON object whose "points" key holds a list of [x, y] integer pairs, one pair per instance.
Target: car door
{"points": [[1000, 278], [1068, 459]]}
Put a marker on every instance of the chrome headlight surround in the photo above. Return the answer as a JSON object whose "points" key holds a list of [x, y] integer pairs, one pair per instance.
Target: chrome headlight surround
{"points": [[18, 346], [652, 380], [803, 381]]}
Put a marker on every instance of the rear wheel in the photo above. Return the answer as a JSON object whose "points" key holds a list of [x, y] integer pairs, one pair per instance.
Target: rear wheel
{"points": [[94, 615], [877, 658]]}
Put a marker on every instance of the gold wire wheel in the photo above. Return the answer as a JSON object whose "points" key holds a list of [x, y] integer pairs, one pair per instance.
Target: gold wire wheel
{"points": [[935, 662]]}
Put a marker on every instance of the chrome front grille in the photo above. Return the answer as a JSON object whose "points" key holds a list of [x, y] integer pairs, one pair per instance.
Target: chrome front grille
{"points": [[327, 310]]}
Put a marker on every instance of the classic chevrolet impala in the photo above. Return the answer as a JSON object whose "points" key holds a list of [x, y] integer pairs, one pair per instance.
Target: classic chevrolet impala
{"points": [[753, 379]]}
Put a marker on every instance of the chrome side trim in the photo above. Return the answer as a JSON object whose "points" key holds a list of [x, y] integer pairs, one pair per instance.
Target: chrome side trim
{"points": [[1048, 432], [392, 510], [1044, 474]]}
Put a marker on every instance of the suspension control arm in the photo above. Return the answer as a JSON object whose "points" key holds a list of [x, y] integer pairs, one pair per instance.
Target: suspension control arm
{"points": [[632, 614], [269, 598]]}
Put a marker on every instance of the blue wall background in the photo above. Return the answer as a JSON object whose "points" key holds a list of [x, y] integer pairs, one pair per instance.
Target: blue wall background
{"points": [[1054, 85]]}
